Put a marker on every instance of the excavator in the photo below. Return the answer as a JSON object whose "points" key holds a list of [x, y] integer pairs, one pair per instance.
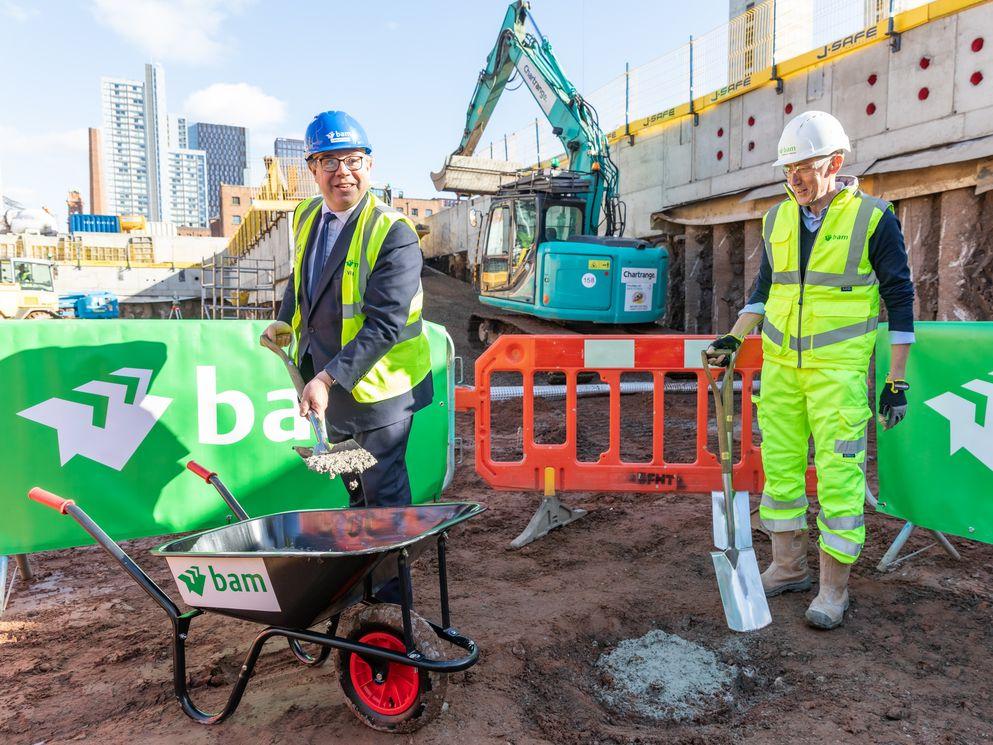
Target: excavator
{"points": [[541, 260]]}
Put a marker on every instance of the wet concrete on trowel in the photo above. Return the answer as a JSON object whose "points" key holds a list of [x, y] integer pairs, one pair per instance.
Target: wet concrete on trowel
{"points": [[354, 460]]}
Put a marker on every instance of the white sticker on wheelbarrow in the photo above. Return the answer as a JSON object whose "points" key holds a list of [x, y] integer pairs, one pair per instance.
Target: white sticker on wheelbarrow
{"points": [[223, 583]]}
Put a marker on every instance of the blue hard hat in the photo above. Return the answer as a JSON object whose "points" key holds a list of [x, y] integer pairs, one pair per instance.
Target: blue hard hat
{"points": [[335, 130]]}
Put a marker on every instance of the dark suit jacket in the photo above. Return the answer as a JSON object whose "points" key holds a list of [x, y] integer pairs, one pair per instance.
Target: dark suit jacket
{"points": [[386, 303]]}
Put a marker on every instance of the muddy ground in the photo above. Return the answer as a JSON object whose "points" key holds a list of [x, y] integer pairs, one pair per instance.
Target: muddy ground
{"points": [[85, 656]]}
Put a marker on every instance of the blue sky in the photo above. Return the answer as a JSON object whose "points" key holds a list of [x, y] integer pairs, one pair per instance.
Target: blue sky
{"points": [[404, 69]]}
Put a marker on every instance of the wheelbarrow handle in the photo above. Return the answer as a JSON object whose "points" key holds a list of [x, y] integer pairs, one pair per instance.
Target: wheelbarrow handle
{"points": [[48, 499], [204, 473], [211, 478], [69, 507]]}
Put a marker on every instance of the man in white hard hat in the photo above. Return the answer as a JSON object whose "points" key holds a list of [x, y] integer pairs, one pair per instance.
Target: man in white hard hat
{"points": [[831, 253]]}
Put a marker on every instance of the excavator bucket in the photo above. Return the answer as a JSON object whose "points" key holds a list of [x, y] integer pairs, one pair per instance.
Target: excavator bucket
{"points": [[470, 175]]}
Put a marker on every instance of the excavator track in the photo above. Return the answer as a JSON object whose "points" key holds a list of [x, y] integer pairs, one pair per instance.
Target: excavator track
{"points": [[486, 326]]}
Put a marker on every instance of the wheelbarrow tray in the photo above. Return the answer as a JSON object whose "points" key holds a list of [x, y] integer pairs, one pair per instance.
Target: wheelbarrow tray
{"points": [[295, 569]]}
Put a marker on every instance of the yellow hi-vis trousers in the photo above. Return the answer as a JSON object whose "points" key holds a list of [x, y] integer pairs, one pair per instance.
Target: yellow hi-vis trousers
{"points": [[833, 406]]}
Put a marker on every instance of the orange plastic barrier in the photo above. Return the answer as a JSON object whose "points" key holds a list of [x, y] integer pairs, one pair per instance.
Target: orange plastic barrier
{"points": [[611, 357]]}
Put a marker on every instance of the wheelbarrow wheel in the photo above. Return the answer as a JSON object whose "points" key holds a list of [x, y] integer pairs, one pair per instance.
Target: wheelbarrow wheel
{"points": [[404, 698]]}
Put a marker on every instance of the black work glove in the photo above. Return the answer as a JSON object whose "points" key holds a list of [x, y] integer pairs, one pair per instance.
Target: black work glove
{"points": [[893, 402], [720, 351]]}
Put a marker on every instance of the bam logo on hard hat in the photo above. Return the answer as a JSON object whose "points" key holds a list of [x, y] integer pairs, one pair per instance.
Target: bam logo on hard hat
{"points": [[125, 425], [224, 583], [347, 136], [964, 431]]}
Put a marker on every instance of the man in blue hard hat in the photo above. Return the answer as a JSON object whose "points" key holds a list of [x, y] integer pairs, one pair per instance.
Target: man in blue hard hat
{"points": [[353, 308]]}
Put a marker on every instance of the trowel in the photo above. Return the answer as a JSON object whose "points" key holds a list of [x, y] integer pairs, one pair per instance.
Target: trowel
{"points": [[737, 569], [332, 459]]}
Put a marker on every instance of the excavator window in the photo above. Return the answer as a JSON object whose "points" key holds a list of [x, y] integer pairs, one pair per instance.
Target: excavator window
{"points": [[496, 260], [496, 240], [562, 222], [525, 219], [6, 272]]}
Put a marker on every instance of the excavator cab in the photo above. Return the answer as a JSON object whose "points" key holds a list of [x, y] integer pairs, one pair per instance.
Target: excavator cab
{"points": [[537, 258]]}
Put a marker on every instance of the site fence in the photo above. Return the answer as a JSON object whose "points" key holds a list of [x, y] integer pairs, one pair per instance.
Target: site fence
{"points": [[616, 361], [747, 51]]}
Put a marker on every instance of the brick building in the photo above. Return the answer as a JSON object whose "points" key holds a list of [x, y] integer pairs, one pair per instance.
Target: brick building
{"points": [[420, 208], [235, 202]]}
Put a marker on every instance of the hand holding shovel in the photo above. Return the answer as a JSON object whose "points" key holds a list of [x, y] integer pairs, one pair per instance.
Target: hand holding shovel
{"points": [[332, 459], [745, 604]]}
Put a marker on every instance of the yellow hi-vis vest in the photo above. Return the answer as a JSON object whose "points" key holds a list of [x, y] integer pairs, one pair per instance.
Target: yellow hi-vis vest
{"points": [[828, 321], [408, 362]]}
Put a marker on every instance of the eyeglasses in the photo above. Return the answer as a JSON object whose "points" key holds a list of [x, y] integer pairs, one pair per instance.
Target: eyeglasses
{"points": [[804, 169], [330, 164]]}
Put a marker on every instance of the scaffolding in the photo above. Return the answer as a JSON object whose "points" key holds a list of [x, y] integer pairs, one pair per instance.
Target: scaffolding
{"points": [[235, 287]]}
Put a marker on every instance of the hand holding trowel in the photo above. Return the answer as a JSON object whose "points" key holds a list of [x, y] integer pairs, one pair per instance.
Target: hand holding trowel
{"points": [[332, 459], [745, 604]]}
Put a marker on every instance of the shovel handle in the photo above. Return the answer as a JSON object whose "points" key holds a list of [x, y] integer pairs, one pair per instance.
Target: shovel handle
{"points": [[48, 499], [723, 407], [292, 369]]}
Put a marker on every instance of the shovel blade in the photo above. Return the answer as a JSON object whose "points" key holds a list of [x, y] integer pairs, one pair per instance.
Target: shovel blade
{"points": [[742, 520], [745, 604]]}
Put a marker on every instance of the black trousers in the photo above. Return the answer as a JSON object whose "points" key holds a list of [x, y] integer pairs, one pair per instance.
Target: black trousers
{"points": [[386, 484]]}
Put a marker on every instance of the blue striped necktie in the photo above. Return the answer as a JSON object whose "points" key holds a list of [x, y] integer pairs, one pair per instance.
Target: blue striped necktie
{"points": [[322, 250]]}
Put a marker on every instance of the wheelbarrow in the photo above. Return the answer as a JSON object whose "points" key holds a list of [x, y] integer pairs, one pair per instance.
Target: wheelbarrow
{"points": [[294, 570]]}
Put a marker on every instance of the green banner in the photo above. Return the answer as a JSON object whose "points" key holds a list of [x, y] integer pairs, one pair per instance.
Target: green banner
{"points": [[936, 466], [108, 412]]}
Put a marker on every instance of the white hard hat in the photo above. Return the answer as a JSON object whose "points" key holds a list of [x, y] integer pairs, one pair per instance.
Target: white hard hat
{"points": [[810, 134]]}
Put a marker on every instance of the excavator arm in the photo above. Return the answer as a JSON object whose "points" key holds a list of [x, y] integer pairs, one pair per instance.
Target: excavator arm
{"points": [[521, 48]]}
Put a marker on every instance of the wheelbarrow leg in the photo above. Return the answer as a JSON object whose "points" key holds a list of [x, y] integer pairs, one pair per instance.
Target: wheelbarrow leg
{"points": [[406, 599], [308, 659], [446, 615]]}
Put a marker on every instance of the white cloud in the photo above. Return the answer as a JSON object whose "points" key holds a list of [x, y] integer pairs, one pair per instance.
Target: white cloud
{"points": [[15, 11], [15, 142], [239, 104], [183, 30]]}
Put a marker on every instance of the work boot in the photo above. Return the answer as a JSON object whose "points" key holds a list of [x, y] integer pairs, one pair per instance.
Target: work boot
{"points": [[788, 571], [827, 610]]}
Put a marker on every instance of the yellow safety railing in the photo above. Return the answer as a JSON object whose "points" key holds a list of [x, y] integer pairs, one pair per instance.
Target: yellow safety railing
{"points": [[287, 181], [138, 252]]}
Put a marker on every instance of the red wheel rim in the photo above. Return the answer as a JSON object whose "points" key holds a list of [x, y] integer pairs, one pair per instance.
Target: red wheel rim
{"points": [[398, 692]]}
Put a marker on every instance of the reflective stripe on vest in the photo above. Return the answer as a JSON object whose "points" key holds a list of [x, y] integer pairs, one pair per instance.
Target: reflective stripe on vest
{"points": [[834, 326], [408, 362]]}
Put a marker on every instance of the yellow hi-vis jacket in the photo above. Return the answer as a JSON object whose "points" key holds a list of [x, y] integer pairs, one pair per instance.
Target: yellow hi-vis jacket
{"points": [[408, 362], [829, 320]]}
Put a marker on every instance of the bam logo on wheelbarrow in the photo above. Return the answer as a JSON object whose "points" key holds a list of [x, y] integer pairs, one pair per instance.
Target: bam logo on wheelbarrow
{"points": [[224, 583], [124, 426]]}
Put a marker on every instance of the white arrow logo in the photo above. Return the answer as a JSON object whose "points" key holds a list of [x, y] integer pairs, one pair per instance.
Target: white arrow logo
{"points": [[127, 424], [965, 432]]}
